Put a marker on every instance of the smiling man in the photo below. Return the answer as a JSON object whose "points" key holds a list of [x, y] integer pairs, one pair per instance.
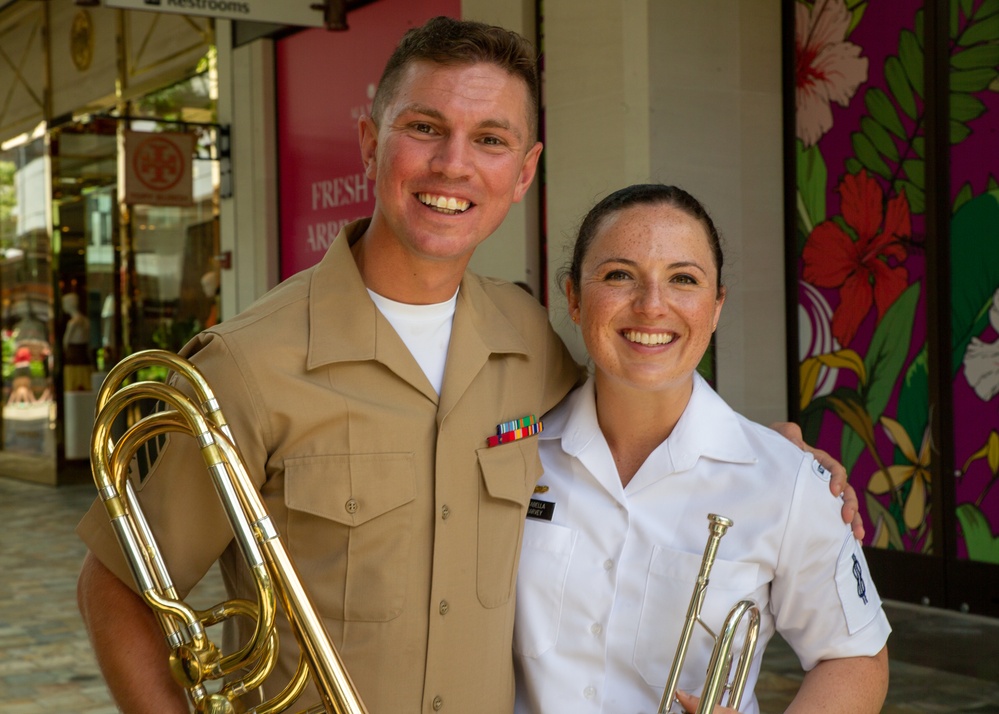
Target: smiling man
{"points": [[362, 394]]}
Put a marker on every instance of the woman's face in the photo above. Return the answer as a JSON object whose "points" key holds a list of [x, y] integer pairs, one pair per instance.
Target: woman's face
{"points": [[648, 299]]}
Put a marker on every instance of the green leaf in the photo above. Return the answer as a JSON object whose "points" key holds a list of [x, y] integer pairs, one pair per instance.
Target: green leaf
{"points": [[880, 138], [958, 132], [853, 166], [992, 184], [915, 171], [964, 107], [915, 194], [987, 8], [913, 410], [967, 7], [899, 86], [919, 146], [883, 111], [983, 56], [884, 359], [963, 196], [868, 155], [971, 80], [984, 30], [982, 545], [910, 54], [812, 178], [974, 270]]}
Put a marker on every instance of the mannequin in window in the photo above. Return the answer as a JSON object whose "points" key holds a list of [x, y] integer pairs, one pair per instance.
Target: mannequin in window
{"points": [[210, 284], [76, 346], [21, 391]]}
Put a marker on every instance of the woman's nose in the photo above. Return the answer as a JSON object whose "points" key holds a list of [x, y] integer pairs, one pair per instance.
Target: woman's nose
{"points": [[651, 299]]}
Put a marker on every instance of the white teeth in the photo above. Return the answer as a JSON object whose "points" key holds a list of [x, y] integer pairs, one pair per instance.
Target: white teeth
{"points": [[649, 338], [448, 204]]}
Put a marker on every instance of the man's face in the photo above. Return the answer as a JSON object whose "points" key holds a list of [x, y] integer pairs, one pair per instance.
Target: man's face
{"points": [[451, 153]]}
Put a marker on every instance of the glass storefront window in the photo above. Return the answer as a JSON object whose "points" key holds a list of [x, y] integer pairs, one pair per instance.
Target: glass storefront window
{"points": [[26, 302]]}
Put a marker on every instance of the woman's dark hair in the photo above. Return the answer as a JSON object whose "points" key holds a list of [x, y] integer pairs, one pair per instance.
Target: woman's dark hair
{"points": [[642, 194], [447, 41]]}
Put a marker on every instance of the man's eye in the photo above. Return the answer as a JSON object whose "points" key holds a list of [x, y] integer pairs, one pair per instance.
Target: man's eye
{"points": [[492, 141], [423, 128]]}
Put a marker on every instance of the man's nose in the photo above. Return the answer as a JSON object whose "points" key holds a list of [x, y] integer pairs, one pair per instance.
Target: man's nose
{"points": [[453, 158]]}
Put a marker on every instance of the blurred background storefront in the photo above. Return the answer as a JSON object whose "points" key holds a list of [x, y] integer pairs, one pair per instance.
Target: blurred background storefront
{"points": [[88, 274]]}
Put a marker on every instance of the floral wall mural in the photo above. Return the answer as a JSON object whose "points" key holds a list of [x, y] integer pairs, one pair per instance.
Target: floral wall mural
{"points": [[861, 191]]}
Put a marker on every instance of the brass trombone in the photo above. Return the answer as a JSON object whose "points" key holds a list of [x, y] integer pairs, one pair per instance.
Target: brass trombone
{"points": [[719, 666], [195, 661]]}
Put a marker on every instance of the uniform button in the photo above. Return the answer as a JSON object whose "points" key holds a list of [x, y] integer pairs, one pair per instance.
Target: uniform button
{"points": [[438, 703], [596, 628], [445, 512], [444, 607], [351, 506], [589, 692], [608, 564]]}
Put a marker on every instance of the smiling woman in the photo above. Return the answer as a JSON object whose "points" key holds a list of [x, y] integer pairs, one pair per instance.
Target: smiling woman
{"points": [[637, 458]]}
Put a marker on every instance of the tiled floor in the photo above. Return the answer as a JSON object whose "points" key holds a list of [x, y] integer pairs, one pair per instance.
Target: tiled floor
{"points": [[940, 661]]}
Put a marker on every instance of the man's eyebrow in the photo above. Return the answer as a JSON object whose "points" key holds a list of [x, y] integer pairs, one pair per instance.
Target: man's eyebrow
{"points": [[427, 111]]}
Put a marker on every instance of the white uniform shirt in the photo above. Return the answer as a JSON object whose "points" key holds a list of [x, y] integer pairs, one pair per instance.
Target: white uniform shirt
{"points": [[606, 572]]}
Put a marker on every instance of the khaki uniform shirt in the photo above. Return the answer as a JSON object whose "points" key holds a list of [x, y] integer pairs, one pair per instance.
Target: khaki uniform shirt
{"points": [[404, 526]]}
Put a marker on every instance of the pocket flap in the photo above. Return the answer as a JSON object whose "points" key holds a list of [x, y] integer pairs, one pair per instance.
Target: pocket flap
{"points": [[350, 488], [510, 471]]}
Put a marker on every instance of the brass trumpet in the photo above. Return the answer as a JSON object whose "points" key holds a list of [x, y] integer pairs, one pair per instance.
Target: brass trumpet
{"points": [[720, 665], [195, 661]]}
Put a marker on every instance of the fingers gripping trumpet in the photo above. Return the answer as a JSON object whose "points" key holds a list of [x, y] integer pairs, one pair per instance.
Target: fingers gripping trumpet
{"points": [[195, 660]]}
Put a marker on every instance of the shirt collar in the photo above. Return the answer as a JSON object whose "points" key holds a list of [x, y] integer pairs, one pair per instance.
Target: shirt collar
{"points": [[339, 305], [708, 427]]}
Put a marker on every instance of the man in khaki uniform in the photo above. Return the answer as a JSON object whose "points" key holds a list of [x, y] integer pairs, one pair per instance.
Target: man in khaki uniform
{"points": [[362, 392]]}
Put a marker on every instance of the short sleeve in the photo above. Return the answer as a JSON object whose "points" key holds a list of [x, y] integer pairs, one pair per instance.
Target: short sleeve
{"points": [[176, 495], [825, 602]]}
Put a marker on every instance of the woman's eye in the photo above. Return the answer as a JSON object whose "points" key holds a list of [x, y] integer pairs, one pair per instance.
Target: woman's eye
{"points": [[617, 275], [685, 279]]}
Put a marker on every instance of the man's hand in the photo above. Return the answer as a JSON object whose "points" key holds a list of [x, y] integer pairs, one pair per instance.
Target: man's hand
{"points": [[837, 483]]}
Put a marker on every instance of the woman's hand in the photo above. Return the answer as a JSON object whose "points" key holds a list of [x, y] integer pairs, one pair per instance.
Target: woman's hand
{"points": [[690, 702], [837, 482]]}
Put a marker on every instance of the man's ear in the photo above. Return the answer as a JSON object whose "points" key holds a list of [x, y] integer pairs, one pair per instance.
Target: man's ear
{"points": [[527, 171], [367, 134]]}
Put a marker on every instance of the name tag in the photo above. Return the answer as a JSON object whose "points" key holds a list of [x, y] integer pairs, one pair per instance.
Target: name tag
{"points": [[541, 510]]}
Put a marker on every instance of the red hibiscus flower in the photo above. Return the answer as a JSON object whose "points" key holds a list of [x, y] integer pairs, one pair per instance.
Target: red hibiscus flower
{"points": [[860, 267]]}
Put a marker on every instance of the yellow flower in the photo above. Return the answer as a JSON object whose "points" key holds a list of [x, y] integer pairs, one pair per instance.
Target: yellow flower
{"points": [[895, 476]]}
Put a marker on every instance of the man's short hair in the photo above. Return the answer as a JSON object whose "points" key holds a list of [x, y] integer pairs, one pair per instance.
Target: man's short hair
{"points": [[447, 41]]}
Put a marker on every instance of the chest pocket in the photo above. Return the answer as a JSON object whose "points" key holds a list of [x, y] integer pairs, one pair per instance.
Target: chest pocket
{"points": [[350, 524], [670, 584], [509, 473]]}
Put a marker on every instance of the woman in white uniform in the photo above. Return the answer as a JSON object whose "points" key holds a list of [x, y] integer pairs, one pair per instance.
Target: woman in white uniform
{"points": [[634, 462]]}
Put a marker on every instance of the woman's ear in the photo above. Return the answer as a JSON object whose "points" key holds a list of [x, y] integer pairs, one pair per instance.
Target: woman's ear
{"points": [[572, 298]]}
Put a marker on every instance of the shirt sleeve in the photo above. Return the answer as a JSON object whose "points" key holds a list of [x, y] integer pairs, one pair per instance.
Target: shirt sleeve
{"points": [[176, 495], [825, 603]]}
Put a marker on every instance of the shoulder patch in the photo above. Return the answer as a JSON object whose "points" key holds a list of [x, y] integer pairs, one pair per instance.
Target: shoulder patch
{"points": [[857, 594]]}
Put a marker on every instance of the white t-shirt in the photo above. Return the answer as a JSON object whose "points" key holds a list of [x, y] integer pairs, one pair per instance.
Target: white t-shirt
{"points": [[607, 572], [426, 330]]}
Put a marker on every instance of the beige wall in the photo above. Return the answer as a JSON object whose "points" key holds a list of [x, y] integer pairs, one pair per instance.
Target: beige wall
{"points": [[685, 92]]}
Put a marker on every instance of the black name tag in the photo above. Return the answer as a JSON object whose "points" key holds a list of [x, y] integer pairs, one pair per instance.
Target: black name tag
{"points": [[542, 510]]}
